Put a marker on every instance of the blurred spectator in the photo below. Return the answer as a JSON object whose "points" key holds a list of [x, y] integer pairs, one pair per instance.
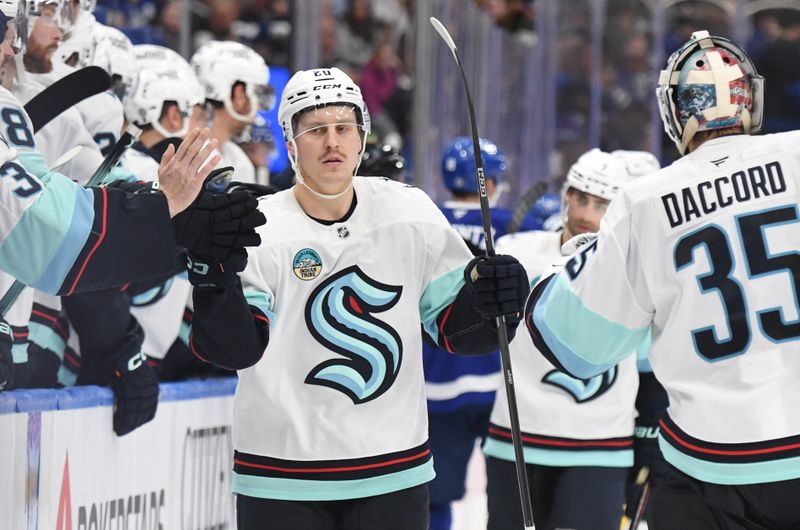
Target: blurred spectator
{"points": [[779, 63], [357, 38], [266, 26], [220, 23], [378, 83]]}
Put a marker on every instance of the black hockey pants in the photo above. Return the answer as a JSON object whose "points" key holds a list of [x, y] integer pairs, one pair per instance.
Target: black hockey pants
{"points": [[685, 503], [401, 510]]}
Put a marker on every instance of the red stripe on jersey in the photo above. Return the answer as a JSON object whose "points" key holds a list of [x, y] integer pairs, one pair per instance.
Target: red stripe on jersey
{"points": [[423, 454], [564, 443], [727, 452], [96, 245], [441, 328]]}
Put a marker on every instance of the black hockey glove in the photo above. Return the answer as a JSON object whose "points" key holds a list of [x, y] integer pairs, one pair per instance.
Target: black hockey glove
{"points": [[498, 285], [216, 224], [135, 387], [213, 275], [6, 359]]}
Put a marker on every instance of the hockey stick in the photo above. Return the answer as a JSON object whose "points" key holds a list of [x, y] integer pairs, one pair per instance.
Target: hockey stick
{"points": [[127, 139], [505, 356], [643, 478], [524, 205], [66, 92]]}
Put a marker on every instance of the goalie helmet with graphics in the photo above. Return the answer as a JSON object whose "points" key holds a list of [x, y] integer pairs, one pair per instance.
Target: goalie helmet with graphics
{"points": [[314, 89], [459, 169], [709, 83], [220, 65]]}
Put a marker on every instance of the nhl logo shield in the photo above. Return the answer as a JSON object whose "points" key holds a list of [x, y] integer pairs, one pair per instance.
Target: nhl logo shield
{"points": [[307, 264]]}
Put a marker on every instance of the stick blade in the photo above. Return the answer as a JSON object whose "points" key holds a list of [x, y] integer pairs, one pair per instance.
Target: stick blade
{"points": [[442, 31]]}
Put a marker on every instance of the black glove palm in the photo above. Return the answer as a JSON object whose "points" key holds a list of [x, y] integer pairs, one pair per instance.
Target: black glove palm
{"points": [[498, 286], [135, 387]]}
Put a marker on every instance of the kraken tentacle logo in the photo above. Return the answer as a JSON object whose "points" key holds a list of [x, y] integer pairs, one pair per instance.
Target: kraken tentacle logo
{"points": [[339, 314], [582, 390]]}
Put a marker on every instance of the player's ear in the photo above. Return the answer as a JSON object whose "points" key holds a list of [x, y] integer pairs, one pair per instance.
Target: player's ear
{"points": [[241, 103], [290, 148]]}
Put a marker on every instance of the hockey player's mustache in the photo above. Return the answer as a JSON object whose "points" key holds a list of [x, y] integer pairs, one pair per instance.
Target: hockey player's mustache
{"points": [[334, 154]]}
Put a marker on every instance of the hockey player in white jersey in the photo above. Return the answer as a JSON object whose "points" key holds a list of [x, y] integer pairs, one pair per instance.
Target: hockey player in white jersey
{"points": [[165, 101], [703, 253], [577, 433], [235, 80], [330, 407]]}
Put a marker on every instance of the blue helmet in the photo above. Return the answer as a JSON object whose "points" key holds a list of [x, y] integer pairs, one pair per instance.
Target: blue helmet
{"points": [[458, 164]]}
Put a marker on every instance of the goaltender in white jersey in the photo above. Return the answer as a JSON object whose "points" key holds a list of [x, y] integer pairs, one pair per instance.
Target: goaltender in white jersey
{"points": [[706, 253]]}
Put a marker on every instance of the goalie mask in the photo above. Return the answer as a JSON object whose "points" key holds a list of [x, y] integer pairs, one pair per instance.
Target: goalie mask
{"points": [[220, 65], [315, 89], [709, 83]]}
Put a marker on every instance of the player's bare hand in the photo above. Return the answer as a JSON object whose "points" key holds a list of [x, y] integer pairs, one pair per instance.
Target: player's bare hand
{"points": [[181, 173]]}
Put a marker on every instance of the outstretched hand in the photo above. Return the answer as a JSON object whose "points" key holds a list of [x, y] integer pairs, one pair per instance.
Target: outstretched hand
{"points": [[181, 173]]}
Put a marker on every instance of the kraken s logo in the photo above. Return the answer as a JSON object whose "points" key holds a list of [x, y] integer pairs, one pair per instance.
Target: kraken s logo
{"points": [[339, 314], [582, 390]]}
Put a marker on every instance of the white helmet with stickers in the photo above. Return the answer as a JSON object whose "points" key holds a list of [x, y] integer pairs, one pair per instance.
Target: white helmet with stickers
{"points": [[597, 173], [145, 103], [317, 88], [709, 83], [111, 50], [62, 15], [638, 163], [219, 65], [159, 58], [76, 47]]}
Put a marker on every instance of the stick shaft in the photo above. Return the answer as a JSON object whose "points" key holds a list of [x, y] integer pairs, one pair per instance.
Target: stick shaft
{"points": [[505, 355]]}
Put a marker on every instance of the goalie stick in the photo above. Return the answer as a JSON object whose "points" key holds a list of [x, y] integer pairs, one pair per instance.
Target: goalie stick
{"points": [[65, 93], [127, 139], [505, 356]]}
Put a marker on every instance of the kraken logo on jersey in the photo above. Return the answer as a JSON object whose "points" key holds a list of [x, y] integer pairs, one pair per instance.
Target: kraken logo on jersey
{"points": [[339, 314], [582, 390]]}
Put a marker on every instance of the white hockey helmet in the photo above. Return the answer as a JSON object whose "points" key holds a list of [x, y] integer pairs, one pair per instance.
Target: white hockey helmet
{"points": [[638, 163], [144, 104], [111, 50], [219, 65], [160, 58], [62, 16], [76, 47], [597, 173], [320, 87], [709, 83]]}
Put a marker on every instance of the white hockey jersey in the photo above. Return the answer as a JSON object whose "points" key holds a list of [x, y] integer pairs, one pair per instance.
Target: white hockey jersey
{"points": [[707, 253], [564, 421], [335, 409]]}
